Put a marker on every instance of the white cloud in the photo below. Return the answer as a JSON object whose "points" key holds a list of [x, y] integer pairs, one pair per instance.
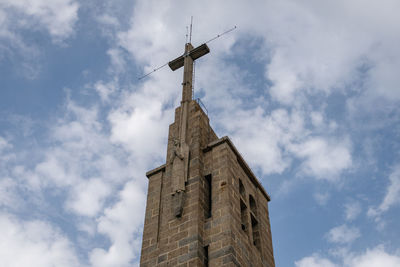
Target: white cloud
{"points": [[122, 223], [330, 63], [323, 158], [8, 187], [80, 161], [287, 138], [352, 210], [83, 164], [343, 234], [271, 139], [90, 161], [88, 196], [6, 152], [148, 38], [317, 119], [261, 151], [53, 171], [392, 196], [370, 258], [140, 123], [57, 17], [34, 243], [105, 90], [4, 144], [108, 19], [322, 198], [118, 62], [314, 261], [8, 194]]}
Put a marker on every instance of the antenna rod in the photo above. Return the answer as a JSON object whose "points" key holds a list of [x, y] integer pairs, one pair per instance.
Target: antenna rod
{"points": [[216, 37], [156, 69], [219, 35], [191, 22]]}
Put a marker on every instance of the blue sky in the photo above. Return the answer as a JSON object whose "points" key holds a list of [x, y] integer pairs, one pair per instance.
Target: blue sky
{"points": [[307, 90]]}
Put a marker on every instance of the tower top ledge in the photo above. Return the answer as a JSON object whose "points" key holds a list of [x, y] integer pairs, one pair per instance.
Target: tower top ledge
{"points": [[240, 160]]}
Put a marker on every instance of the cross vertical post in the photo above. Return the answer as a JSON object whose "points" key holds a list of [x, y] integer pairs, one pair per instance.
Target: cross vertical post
{"points": [[180, 158], [186, 61], [187, 74]]}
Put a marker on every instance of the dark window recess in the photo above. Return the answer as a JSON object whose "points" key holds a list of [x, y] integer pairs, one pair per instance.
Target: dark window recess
{"points": [[243, 215], [208, 196], [241, 189], [253, 206], [243, 207], [254, 223], [206, 256], [256, 232]]}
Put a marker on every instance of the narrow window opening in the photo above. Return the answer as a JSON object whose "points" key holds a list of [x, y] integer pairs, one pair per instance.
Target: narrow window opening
{"points": [[254, 223], [253, 206], [208, 196], [243, 207], [256, 232], [241, 189], [206, 256], [243, 215]]}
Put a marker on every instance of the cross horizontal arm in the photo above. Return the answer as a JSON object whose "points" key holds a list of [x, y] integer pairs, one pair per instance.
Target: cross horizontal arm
{"points": [[176, 63], [194, 54], [199, 51]]}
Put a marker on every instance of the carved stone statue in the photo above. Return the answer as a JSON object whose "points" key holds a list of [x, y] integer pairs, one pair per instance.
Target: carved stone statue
{"points": [[179, 161]]}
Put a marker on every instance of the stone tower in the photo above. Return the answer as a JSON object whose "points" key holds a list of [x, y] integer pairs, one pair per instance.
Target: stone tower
{"points": [[205, 207]]}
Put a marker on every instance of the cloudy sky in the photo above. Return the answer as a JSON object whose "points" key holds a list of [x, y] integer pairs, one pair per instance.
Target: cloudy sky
{"points": [[307, 90]]}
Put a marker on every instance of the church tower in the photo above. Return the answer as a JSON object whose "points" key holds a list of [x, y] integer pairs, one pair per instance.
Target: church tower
{"points": [[205, 206]]}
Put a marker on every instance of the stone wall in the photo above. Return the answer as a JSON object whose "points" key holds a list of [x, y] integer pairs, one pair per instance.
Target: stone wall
{"points": [[199, 238]]}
